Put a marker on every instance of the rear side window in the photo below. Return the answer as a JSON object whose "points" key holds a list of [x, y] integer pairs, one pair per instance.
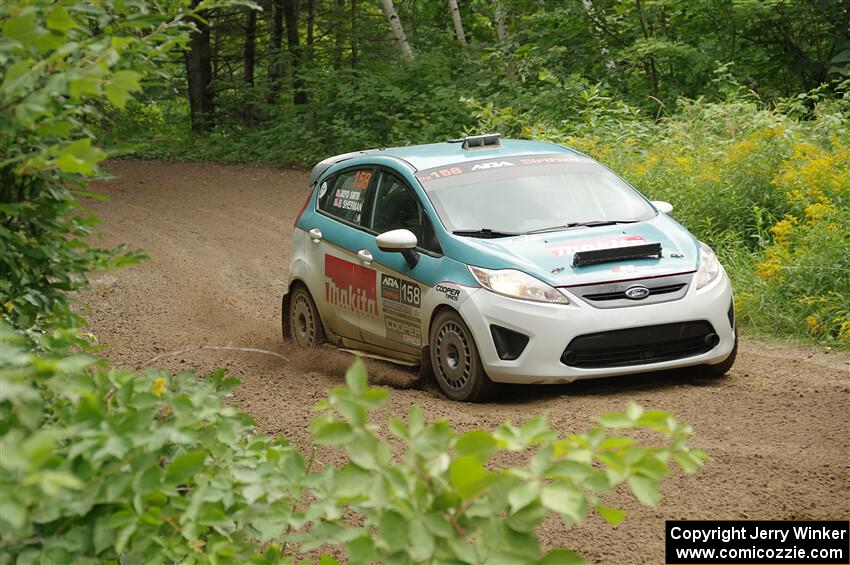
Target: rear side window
{"points": [[344, 196]]}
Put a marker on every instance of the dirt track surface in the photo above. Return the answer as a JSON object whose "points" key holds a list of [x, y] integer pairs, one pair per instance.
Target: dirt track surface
{"points": [[777, 427]]}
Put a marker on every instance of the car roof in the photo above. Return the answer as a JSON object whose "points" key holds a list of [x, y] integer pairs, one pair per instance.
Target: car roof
{"points": [[431, 155], [448, 153]]}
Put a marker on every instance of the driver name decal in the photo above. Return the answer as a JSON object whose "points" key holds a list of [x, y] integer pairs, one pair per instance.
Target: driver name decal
{"points": [[350, 286], [573, 246]]}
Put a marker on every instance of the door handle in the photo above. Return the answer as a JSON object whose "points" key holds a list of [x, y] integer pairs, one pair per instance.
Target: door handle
{"points": [[365, 256], [315, 235]]}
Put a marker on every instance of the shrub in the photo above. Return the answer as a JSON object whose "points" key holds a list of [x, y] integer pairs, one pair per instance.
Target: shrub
{"points": [[62, 64], [104, 464]]}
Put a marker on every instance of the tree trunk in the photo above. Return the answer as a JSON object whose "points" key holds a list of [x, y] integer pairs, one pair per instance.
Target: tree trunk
{"points": [[311, 21], [250, 45], [199, 74], [502, 36], [398, 31], [275, 43], [501, 24], [353, 40], [457, 21], [293, 42], [648, 62], [339, 35]]}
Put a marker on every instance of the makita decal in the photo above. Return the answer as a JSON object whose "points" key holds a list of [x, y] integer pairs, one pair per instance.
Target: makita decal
{"points": [[350, 286], [574, 246]]}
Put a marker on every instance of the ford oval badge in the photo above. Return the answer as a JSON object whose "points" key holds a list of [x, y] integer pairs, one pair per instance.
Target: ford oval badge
{"points": [[637, 292]]}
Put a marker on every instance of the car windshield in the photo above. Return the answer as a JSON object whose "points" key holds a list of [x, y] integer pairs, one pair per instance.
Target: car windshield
{"points": [[518, 195]]}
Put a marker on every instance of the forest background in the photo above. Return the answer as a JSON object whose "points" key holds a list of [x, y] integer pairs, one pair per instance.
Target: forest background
{"points": [[735, 112]]}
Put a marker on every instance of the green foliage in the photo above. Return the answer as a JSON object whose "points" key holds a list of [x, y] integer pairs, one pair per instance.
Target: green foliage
{"points": [[63, 63], [450, 497], [105, 464]]}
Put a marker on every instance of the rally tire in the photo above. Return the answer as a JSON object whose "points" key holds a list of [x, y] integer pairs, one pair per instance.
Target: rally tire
{"points": [[301, 321], [720, 370], [455, 361]]}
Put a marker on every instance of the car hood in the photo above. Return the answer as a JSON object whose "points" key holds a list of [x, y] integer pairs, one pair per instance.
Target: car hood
{"points": [[549, 256]]}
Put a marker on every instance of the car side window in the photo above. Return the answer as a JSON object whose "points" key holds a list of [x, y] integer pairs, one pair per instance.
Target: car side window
{"points": [[395, 207], [346, 196]]}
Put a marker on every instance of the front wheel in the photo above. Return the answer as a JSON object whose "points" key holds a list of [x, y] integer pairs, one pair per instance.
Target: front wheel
{"points": [[301, 319], [455, 360]]}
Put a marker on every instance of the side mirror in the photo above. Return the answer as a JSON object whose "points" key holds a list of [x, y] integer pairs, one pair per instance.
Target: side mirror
{"points": [[400, 241], [662, 206]]}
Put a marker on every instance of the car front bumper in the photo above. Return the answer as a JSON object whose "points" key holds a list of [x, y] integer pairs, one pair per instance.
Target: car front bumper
{"points": [[550, 328]]}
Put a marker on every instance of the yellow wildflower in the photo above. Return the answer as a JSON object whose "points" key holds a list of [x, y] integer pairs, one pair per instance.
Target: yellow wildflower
{"points": [[768, 269], [844, 331], [9, 307], [158, 387], [684, 162], [812, 321], [783, 228], [816, 210]]}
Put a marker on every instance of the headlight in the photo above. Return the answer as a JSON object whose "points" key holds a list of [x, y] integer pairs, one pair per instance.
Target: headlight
{"points": [[709, 266], [517, 284]]}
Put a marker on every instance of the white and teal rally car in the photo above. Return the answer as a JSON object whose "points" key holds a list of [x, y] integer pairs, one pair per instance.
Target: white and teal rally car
{"points": [[502, 261]]}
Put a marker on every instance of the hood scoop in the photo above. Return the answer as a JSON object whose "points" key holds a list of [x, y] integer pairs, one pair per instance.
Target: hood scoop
{"points": [[595, 256]]}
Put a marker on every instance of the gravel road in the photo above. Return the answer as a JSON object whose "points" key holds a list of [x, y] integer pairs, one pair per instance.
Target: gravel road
{"points": [[777, 427]]}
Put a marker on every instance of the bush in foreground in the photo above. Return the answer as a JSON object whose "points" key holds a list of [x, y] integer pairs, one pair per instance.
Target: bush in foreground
{"points": [[104, 464]]}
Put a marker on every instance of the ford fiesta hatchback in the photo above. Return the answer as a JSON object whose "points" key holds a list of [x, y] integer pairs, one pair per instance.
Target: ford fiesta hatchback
{"points": [[502, 261]]}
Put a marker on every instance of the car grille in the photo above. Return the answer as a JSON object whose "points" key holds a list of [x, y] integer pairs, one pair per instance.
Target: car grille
{"points": [[613, 294], [640, 346]]}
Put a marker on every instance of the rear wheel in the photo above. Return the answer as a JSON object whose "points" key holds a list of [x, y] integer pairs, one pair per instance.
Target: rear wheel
{"points": [[455, 360], [719, 370], [301, 319]]}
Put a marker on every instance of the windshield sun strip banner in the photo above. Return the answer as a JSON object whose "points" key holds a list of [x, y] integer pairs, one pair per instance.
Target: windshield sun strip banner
{"points": [[501, 167]]}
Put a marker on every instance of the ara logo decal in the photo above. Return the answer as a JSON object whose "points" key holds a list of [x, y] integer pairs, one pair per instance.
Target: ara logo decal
{"points": [[390, 282], [491, 165], [637, 292], [350, 286]]}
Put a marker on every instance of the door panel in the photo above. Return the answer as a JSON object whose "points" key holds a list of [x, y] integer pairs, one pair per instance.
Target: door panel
{"points": [[399, 326], [347, 288]]}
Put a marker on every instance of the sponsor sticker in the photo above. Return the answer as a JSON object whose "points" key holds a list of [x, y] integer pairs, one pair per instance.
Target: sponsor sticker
{"points": [[449, 292], [323, 189], [404, 330], [506, 162], [491, 165], [400, 300], [350, 286], [574, 246]]}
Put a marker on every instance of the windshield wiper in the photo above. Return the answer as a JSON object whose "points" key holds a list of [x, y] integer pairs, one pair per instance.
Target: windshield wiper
{"points": [[591, 224], [485, 233]]}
